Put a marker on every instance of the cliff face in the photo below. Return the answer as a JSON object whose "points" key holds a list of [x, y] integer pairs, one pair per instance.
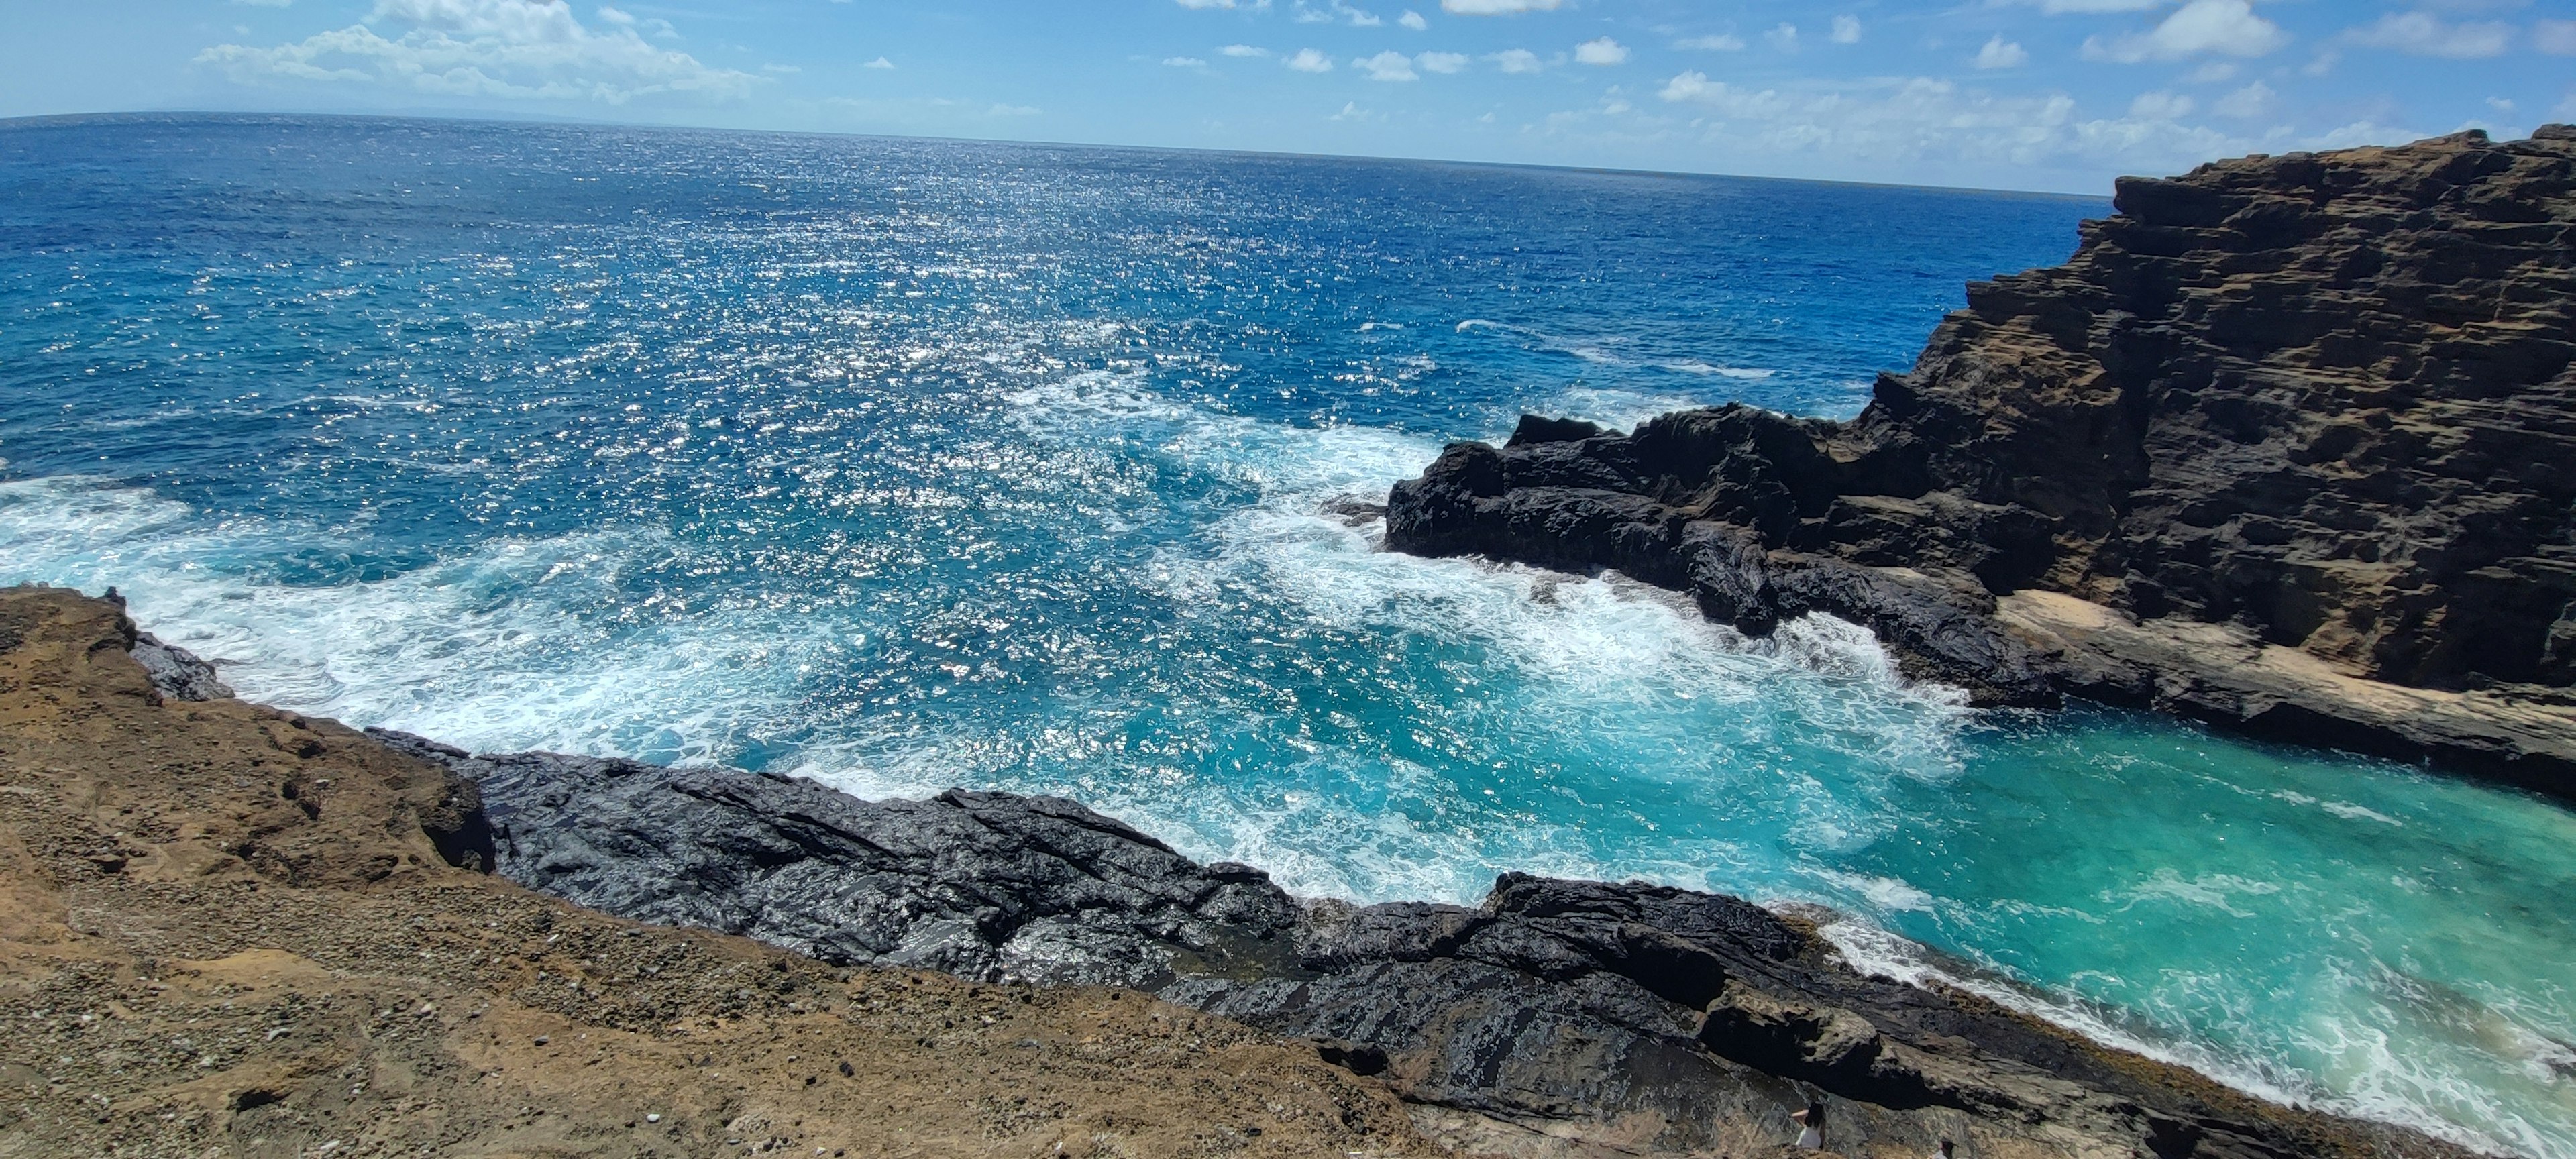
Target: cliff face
{"points": [[2323, 400]]}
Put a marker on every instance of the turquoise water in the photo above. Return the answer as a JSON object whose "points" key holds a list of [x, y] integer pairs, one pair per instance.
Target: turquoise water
{"points": [[909, 464]]}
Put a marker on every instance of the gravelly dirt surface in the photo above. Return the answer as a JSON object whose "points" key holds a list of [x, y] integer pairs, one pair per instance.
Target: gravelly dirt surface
{"points": [[224, 930]]}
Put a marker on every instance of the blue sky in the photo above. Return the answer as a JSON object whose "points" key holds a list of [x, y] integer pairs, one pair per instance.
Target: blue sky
{"points": [[2022, 94]]}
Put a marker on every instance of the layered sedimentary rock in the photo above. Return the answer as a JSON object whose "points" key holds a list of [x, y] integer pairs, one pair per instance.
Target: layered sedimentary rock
{"points": [[1558, 1018], [2296, 432]]}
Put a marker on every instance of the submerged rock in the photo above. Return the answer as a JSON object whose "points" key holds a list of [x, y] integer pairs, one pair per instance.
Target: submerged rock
{"points": [[1643, 1017], [2321, 400]]}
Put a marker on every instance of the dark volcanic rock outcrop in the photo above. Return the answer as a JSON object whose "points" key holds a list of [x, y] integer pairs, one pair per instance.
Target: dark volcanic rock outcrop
{"points": [[2323, 401], [1572, 1016]]}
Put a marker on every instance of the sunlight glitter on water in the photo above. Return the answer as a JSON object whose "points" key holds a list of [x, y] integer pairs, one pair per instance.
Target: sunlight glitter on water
{"points": [[1036, 473]]}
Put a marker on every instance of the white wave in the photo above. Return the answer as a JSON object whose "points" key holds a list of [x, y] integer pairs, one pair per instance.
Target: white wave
{"points": [[2370, 1078], [502, 648], [1696, 366], [1586, 349]]}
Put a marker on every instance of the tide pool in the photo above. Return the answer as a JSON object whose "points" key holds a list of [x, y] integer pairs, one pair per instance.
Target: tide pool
{"points": [[906, 464]]}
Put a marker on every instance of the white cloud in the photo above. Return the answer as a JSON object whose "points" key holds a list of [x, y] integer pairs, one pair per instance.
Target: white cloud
{"points": [[1517, 60], [2211, 72], [2247, 103], [2502, 105], [879, 62], [1413, 20], [1207, 3], [2423, 34], [265, 3], [1387, 66], [2062, 7], [1601, 50], [1184, 62], [781, 69], [1497, 7], [2566, 110], [1441, 62], [1784, 36], [1869, 124], [1846, 30], [2557, 37], [1715, 42], [1309, 60], [489, 48], [1351, 111], [2228, 27], [2161, 106], [1333, 10], [2002, 53], [1242, 50]]}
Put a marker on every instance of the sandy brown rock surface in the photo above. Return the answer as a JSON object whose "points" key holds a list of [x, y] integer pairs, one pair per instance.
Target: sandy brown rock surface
{"points": [[226, 930]]}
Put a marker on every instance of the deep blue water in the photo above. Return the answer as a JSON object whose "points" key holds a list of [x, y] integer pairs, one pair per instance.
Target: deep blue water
{"points": [[904, 464]]}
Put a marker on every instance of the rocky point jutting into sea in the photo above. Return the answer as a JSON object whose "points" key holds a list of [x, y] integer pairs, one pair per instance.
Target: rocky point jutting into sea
{"points": [[2286, 446]]}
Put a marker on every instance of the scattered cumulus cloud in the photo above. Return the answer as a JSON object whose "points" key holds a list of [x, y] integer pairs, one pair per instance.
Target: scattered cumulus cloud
{"points": [[1783, 36], [1184, 62], [2090, 7], [2161, 106], [1336, 10], [879, 62], [1846, 30], [1601, 50], [1309, 60], [1517, 60], [1497, 7], [1387, 66], [1206, 3], [2423, 34], [2245, 104], [1413, 20], [1937, 121], [2226, 27], [781, 69], [2557, 37], [1242, 50], [2211, 72], [1715, 42], [523, 49], [2000, 53], [1441, 62]]}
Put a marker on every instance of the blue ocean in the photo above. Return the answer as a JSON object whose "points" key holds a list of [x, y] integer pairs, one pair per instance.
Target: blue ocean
{"points": [[903, 464]]}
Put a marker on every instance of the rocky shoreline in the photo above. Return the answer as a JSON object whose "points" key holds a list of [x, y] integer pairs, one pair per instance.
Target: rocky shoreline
{"points": [[2282, 447], [1558, 1018], [1643, 1018]]}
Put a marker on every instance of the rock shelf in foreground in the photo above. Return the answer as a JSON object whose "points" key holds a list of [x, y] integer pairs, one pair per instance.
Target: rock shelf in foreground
{"points": [[2289, 444], [1558, 1018]]}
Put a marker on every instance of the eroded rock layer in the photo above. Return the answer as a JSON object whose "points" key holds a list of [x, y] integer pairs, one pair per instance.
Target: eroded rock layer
{"points": [[2320, 399]]}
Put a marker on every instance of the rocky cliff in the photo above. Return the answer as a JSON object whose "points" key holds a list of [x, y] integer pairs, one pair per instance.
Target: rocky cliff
{"points": [[2287, 443]]}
